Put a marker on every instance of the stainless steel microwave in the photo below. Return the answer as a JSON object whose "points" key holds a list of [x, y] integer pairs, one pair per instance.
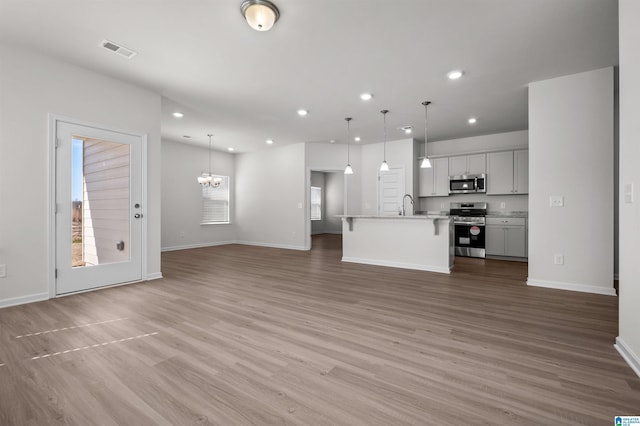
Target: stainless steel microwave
{"points": [[466, 184]]}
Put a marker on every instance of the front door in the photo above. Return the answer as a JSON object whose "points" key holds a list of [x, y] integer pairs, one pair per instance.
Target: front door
{"points": [[98, 207]]}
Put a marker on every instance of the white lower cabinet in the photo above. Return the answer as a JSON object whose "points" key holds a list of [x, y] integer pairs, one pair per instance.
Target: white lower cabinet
{"points": [[506, 236]]}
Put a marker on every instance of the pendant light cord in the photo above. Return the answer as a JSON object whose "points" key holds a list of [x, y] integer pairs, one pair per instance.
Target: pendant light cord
{"points": [[384, 145], [210, 135], [426, 104], [348, 119]]}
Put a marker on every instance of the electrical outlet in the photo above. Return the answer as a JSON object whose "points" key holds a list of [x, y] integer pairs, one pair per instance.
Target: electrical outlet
{"points": [[181, 235], [556, 201], [558, 259], [503, 205], [3, 270]]}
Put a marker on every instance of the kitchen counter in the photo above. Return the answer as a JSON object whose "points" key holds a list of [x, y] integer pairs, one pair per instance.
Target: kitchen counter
{"points": [[521, 214], [412, 242]]}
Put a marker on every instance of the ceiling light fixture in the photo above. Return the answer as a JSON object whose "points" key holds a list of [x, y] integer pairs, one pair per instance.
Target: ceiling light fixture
{"points": [[357, 139], [366, 96], [207, 179], [332, 141], [455, 74], [261, 15], [348, 170], [425, 164], [178, 114], [269, 142], [384, 167], [230, 149], [472, 120], [302, 112], [407, 129]]}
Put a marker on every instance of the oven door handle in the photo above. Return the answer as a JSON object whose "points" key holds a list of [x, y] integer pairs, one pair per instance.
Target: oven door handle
{"points": [[469, 223]]}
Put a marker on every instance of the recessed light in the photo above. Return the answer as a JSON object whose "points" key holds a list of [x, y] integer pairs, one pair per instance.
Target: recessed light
{"points": [[302, 112], [230, 149], [366, 96], [357, 139], [186, 136], [332, 141], [407, 129], [269, 142], [455, 74], [472, 120], [178, 114]]}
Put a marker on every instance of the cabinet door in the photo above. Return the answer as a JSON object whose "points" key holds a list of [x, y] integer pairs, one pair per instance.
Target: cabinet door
{"points": [[495, 241], [516, 241], [500, 173], [458, 165], [521, 171], [476, 164], [427, 182], [441, 176]]}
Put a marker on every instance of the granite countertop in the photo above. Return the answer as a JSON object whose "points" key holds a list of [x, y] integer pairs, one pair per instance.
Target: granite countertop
{"points": [[414, 217], [523, 214]]}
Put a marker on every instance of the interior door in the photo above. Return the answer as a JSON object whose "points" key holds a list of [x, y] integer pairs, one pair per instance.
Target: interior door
{"points": [[391, 191], [99, 212]]}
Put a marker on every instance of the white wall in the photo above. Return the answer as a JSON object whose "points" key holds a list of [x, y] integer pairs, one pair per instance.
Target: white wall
{"points": [[31, 86], [334, 202], [182, 196], [629, 332], [475, 144], [571, 155], [400, 153], [272, 200], [318, 180]]}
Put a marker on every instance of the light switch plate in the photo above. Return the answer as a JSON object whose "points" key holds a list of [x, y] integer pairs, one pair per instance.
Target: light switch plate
{"points": [[556, 201], [558, 259], [3, 270], [503, 205], [299, 205], [628, 193]]}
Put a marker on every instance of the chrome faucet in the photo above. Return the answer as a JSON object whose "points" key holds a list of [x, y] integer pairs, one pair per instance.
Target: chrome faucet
{"points": [[413, 205]]}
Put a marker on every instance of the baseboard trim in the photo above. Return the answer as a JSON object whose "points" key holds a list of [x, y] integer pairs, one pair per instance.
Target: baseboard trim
{"points": [[583, 288], [193, 246], [271, 245], [39, 297], [154, 276], [628, 355], [402, 265]]}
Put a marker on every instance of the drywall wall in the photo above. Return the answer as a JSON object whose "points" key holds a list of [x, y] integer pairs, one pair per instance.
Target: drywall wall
{"points": [[400, 153], [334, 202], [31, 87], [571, 155], [628, 341], [318, 180], [182, 196], [475, 144], [271, 198]]}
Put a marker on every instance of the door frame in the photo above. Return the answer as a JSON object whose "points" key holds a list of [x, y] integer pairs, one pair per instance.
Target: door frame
{"points": [[51, 197], [307, 199]]}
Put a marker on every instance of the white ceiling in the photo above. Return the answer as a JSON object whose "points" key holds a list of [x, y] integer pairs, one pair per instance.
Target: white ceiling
{"points": [[245, 86]]}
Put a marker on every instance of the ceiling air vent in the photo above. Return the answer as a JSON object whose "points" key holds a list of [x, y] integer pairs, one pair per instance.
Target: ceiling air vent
{"points": [[116, 48]]}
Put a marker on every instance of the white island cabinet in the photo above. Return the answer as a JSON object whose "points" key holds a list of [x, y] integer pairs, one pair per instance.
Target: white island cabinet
{"points": [[412, 242]]}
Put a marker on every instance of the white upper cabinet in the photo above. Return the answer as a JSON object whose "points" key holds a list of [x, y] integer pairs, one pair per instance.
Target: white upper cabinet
{"points": [[467, 164], [434, 181], [508, 172]]}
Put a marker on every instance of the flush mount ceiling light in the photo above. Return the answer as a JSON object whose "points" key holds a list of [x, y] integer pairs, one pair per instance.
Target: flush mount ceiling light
{"points": [[384, 167], [425, 161], [261, 15], [178, 114], [366, 96], [302, 112], [455, 74], [348, 170], [472, 120]]}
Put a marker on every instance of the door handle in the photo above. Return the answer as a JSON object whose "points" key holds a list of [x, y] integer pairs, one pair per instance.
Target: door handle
{"points": [[137, 215]]}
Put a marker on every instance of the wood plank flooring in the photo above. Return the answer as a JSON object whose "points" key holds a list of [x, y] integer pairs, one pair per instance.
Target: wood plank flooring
{"points": [[237, 335]]}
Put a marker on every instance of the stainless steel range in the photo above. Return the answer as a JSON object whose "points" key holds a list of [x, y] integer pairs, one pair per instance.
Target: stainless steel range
{"points": [[469, 220]]}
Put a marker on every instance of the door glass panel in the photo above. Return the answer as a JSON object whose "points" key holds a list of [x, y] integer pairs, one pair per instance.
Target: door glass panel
{"points": [[100, 197]]}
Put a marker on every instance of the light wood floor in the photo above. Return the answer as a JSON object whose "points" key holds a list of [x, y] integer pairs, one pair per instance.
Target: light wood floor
{"points": [[251, 335]]}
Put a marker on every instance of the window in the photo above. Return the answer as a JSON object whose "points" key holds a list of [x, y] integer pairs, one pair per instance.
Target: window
{"points": [[316, 203], [215, 201]]}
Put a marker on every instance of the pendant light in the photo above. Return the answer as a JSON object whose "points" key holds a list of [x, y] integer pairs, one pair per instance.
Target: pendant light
{"points": [[206, 179], [425, 164], [348, 170], [384, 167]]}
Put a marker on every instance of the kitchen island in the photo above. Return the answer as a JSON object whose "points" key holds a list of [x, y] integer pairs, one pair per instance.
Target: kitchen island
{"points": [[412, 242]]}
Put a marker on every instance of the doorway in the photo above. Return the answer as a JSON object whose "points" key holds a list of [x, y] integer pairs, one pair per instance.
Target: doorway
{"points": [[98, 211], [326, 203]]}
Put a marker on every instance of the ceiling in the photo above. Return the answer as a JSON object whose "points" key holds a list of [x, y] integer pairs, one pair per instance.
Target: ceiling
{"points": [[245, 86]]}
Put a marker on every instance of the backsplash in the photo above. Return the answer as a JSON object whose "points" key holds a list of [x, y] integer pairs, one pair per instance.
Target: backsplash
{"points": [[495, 202]]}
